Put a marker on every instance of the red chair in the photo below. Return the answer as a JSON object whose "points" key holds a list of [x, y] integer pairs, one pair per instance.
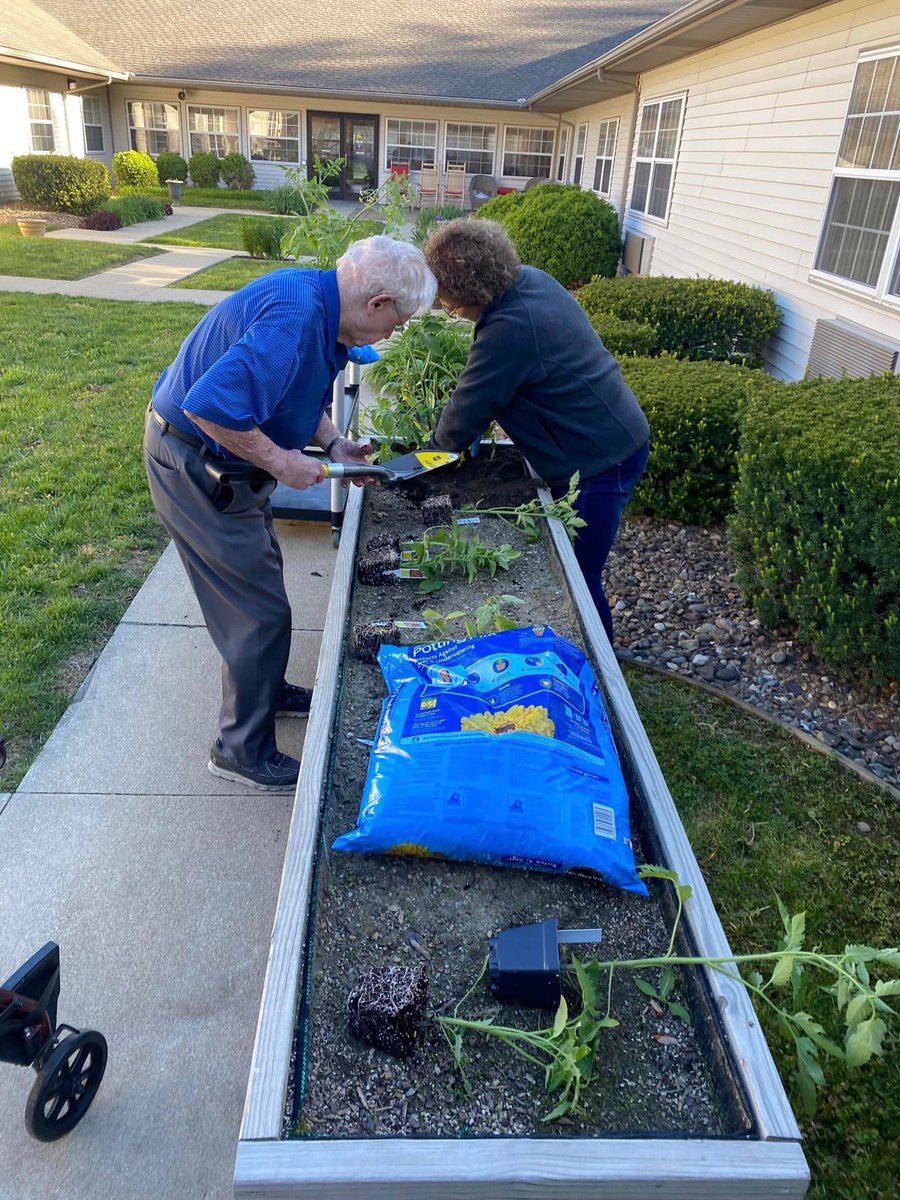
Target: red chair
{"points": [[400, 173]]}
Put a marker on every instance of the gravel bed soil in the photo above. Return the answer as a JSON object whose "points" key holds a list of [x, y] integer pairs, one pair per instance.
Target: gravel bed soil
{"points": [[676, 605], [16, 210], [654, 1073]]}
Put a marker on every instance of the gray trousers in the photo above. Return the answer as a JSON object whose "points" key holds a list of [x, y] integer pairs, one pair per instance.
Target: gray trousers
{"points": [[226, 540]]}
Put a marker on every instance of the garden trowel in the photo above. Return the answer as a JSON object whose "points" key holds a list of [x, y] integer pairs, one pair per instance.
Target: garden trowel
{"points": [[407, 466]]}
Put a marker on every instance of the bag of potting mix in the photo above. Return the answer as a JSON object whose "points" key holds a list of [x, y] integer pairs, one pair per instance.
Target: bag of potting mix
{"points": [[496, 750]]}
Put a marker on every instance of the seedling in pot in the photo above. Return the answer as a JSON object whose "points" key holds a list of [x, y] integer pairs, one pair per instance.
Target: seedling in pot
{"points": [[450, 551]]}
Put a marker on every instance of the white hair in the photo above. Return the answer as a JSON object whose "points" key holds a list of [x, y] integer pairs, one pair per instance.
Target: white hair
{"points": [[379, 264]]}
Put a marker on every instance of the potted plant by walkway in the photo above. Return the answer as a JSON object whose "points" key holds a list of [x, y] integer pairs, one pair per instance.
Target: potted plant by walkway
{"points": [[32, 226], [175, 186]]}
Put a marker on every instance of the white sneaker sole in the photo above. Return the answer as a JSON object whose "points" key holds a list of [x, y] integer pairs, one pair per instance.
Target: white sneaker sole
{"points": [[224, 773]]}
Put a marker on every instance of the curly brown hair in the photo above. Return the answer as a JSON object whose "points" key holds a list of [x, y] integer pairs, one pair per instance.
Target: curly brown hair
{"points": [[474, 261]]}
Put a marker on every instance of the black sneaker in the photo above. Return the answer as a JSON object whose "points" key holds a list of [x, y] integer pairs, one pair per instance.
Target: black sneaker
{"points": [[277, 774], [294, 702]]}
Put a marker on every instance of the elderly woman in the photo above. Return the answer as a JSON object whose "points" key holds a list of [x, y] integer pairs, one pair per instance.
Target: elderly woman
{"points": [[538, 368]]}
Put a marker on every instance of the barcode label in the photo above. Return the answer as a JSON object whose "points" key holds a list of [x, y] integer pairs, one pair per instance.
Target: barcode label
{"points": [[604, 821]]}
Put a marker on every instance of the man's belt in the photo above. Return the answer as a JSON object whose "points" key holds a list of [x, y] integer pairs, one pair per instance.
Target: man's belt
{"points": [[175, 432]]}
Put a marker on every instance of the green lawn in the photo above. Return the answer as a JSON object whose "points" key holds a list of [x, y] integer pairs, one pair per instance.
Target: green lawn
{"points": [[766, 815], [77, 529], [58, 258], [232, 274], [222, 232]]}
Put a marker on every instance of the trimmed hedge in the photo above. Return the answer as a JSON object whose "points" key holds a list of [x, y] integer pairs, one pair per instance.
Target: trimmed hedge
{"points": [[237, 172], [134, 169], [694, 410], [693, 318], [61, 181], [570, 234], [816, 529], [134, 208], [205, 169], [625, 337], [170, 165]]}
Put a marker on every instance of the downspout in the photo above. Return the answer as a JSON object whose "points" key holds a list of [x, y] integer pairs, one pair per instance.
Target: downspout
{"points": [[561, 120], [634, 86]]}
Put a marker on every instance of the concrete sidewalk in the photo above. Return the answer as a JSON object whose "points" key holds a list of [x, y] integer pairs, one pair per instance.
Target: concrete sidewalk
{"points": [[159, 883]]}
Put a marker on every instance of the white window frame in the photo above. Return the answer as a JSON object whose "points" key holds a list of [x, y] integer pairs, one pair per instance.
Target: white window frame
{"points": [[39, 98], [654, 159], [90, 102], [279, 137], [161, 131], [226, 134], [456, 153], [396, 149], [581, 137], [607, 140], [547, 154], [562, 149], [890, 265]]}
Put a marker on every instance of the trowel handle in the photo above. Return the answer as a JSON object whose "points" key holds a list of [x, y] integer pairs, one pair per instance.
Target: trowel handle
{"points": [[354, 470]]}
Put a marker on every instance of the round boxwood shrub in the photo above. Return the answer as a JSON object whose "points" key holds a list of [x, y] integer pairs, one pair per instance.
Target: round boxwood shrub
{"points": [[204, 169], [694, 318], [237, 172], [570, 234], [134, 169], [101, 219], [694, 412], [816, 528], [60, 181], [170, 166]]}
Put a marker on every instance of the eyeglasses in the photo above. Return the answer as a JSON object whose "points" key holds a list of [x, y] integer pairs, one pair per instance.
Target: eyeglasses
{"points": [[401, 321], [445, 305]]}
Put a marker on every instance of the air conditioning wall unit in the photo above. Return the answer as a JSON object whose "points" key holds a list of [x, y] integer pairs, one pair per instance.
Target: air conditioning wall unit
{"points": [[841, 349], [637, 253]]}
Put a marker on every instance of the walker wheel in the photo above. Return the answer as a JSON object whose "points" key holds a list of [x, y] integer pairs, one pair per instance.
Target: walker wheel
{"points": [[66, 1086], [336, 538]]}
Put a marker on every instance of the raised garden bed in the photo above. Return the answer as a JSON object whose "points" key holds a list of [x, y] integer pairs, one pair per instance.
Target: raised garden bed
{"points": [[673, 1110]]}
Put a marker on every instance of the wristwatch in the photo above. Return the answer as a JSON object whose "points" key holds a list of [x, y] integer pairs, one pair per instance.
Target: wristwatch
{"points": [[331, 445]]}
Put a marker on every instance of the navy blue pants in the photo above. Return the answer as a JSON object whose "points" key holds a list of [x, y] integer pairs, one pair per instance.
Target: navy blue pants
{"points": [[601, 502]]}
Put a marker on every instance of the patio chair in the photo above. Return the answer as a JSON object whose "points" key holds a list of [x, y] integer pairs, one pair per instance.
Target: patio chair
{"points": [[481, 189], [455, 184], [428, 184], [400, 172]]}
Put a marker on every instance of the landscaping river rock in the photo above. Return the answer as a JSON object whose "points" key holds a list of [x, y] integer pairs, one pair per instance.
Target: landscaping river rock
{"points": [[676, 606]]}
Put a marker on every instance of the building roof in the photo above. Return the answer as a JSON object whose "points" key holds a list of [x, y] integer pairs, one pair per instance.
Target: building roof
{"points": [[29, 33], [474, 50]]}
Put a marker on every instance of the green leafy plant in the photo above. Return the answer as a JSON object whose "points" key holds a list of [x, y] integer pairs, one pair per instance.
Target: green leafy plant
{"points": [[134, 208], [526, 516], [263, 237], [170, 165], [816, 528], [428, 220], [237, 172], [133, 168], [321, 232], [570, 234], [567, 1049], [486, 618], [448, 551], [692, 318], [61, 182], [205, 169], [414, 379]]}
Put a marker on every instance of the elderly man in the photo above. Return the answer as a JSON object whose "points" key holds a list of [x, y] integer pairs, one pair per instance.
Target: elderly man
{"points": [[251, 382]]}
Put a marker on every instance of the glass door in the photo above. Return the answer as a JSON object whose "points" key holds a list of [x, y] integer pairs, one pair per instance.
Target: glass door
{"points": [[353, 138]]}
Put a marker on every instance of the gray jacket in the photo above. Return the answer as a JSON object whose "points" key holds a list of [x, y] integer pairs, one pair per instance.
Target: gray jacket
{"points": [[538, 368]]}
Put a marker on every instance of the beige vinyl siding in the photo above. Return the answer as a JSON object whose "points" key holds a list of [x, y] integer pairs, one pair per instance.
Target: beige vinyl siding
{"points": [[622, 110], [762, 125]]}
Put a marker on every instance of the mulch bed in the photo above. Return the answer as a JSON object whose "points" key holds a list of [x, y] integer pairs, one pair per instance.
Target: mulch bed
{"points": [[15, 210]]}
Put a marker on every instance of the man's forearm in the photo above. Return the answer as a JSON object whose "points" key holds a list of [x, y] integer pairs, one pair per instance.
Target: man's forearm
{"points": [[250, 444], [326, 432]]}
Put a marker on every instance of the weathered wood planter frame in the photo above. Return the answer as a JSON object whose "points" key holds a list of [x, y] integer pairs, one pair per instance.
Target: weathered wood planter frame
{"points": [[769, 1164]]}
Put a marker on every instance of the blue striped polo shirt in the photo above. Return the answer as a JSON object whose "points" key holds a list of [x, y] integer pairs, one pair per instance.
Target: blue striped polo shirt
{"points": [[266, 356]]}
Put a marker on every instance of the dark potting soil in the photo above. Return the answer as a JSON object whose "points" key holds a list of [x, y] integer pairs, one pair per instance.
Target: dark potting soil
{"points": [[653, 1073]]}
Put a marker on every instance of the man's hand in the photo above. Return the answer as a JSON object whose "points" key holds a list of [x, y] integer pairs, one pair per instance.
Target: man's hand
{"points": [[353, 452], [300, 470]]}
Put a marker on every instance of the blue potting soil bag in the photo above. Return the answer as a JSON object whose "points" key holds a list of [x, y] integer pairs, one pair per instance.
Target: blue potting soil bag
{"points": [[496, 750]]}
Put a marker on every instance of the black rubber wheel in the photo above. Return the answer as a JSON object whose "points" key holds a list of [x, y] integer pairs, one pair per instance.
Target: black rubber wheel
{"points": [[66, 1086], [335, 538]]}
